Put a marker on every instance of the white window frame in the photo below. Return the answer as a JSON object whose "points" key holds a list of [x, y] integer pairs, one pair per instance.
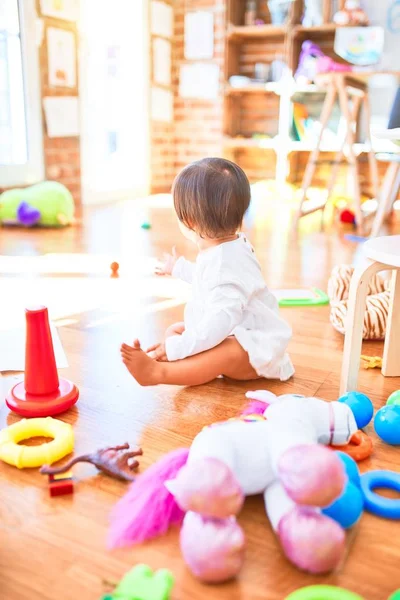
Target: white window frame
{"points": [[33, 170]]}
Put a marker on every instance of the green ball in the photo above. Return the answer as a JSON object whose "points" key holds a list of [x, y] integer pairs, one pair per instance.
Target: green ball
{"points": [[145, 225], [395, 596], [394, 399]]}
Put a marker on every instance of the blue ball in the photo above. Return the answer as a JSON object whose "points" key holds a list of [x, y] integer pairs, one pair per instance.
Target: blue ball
{"points": [[348, 508], [350, 467], [387, 424], [361, 407]]}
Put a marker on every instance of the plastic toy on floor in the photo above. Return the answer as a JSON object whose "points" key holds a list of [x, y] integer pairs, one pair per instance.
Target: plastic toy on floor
{"points": [[48, 204], [282, 456], [352, 14], [377, 305], [141, 583]]}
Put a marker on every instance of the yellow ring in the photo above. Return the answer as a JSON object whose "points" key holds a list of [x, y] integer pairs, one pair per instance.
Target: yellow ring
{"points": [[21, 456]]}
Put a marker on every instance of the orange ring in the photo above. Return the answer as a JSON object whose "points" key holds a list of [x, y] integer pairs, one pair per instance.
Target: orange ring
{"points": [[359, 447]]}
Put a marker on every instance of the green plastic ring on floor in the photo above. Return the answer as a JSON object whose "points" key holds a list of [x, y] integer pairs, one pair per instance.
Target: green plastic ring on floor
{"points": [[323, 592], [395, 596]]}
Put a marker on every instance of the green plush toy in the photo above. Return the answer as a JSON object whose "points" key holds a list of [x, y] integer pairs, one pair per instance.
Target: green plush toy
{"points": [[49, 204]]}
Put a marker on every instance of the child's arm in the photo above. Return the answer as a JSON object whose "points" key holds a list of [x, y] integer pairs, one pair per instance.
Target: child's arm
{"points": [[177, 266], [224, 311]]}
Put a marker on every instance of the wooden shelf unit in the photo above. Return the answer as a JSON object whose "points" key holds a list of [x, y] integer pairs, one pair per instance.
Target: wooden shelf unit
{"points": [[258, 108]]}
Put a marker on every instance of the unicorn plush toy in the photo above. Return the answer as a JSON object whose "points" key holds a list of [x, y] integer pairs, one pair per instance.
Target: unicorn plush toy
{"points": [[278, 450]]}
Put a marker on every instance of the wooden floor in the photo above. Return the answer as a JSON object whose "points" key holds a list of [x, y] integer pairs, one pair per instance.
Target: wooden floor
{"points": [[54, 549]]}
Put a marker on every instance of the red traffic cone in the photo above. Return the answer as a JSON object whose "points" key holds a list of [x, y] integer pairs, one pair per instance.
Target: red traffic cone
{"points": [[42, 393]]}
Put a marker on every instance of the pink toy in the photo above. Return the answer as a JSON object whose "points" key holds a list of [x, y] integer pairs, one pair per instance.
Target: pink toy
{"points": [[325, 64], [313, 61], [280, 452], [352, 14]]}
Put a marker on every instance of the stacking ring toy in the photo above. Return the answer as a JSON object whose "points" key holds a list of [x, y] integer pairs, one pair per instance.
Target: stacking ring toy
{"points": [[388, 508], [21, 456], [323, 592], [359, 447]]}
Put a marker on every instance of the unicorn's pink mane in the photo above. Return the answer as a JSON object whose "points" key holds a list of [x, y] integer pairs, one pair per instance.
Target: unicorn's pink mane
{"points": [[255, 407]]}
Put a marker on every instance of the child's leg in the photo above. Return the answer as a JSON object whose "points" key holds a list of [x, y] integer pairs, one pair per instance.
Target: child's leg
{"points": [[228, 358]]}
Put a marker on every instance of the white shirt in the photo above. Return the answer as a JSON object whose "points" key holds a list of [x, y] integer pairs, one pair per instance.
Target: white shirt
{"points": [[229, 297]]}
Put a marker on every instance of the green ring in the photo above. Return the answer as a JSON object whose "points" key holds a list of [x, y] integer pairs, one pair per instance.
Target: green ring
{"points": [[323, 592], [395, 596]]}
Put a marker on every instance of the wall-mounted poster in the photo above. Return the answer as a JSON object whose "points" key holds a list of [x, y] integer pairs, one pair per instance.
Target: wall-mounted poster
{"points": [[61, 57], [162, 105], [161, 61], [199, 35], [161, 19], [361, 46], [68, 10], [62, 116], [199, 80]]}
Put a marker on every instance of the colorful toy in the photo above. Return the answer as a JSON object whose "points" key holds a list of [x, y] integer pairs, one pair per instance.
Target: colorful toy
{"points": [[348, 508], [42, 393], [394, 399], [348, 216], [310, 297], [282, 456], [387, 424], [22, 456], [352, 14], [116, 461], [141, 583], [313, 61], [323, 592], [395, 596], [114, 269], [47, 204], [377, 304], [361, 407], [388, 508], [312, 13], [61, 485], [372, 362], [146, 225], [351, 468], [359, 447]]}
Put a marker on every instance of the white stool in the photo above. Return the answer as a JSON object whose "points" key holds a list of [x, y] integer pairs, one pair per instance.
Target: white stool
{"points": [[383, 254]]}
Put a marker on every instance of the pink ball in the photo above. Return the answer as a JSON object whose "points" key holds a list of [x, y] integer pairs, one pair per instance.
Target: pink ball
{"points": [[207, 487], [213, 549], [312, 541], [312, 475]]}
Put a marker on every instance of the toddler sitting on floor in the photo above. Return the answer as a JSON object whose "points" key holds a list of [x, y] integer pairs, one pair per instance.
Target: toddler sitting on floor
{"points": [[232, 325]]}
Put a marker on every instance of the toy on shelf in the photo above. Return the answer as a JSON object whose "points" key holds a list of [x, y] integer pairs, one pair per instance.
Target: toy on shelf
{"points": [[115, 461], [47, 204], [359, 448], [377, 303], [313, 61], [352, 14], [394, 398], [114, 269], [361, 407], [61, 485], [141, 583], [389, 508], [42, 393], [281, 456], [21, 456], [323, 592], [372, 362], [313, 13], [387, 424]]}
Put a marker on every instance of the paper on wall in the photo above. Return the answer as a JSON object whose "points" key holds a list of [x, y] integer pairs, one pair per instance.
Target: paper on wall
{"points": [[161, 61], [162, 105], [61, 57], [199, 35], [62, 116], [199, 80], [12, 349], [161, 19], [60, 9]]}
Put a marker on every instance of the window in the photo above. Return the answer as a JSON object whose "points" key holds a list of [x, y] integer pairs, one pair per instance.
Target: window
{"points": [[21, 148]]}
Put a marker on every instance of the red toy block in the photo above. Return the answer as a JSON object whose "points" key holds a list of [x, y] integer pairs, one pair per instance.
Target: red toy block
{"points": [[61, 487], [42, 393]]}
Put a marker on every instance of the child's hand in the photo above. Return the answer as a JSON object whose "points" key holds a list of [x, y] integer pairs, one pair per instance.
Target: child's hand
{"points": [[158, 352], [167, 265]]}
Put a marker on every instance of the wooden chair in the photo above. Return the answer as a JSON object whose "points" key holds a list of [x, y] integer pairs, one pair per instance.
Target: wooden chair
{"points": [[383, 254]]}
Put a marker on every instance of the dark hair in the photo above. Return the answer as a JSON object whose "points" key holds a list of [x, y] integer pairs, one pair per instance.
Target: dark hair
{"points": [[211, 196]]}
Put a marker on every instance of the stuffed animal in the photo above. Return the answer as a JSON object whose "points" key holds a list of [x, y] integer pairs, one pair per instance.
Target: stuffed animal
{"points": [[312, 61], [377, 304], [352, 14], [48, 204], [279, 452]]}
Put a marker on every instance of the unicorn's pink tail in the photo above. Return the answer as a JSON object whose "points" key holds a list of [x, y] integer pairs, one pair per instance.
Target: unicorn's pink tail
{"points": [[148, 509]]}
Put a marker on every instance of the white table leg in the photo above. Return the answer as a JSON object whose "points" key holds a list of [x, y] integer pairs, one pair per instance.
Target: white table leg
{"points": [[391, 353], [355, 324]]}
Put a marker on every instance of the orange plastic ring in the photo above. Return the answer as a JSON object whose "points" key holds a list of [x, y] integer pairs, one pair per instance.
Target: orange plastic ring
{"points": [[359, 447]]}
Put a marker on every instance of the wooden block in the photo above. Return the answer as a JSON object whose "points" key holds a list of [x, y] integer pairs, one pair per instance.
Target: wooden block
{"points": [[60, 476]]}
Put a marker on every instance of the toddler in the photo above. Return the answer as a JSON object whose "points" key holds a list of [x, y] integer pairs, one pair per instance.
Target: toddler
{"points": [[232, 325]]}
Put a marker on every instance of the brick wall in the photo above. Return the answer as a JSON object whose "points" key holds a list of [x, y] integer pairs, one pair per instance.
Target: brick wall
{"points": [[62, 156]]}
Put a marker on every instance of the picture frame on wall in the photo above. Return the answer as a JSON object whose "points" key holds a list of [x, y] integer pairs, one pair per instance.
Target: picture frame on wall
{"points": [[61, 56], [67, 10]]}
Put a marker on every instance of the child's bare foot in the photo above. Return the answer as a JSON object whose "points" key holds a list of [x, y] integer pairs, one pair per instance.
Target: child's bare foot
{"points": [[144, 369]]}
